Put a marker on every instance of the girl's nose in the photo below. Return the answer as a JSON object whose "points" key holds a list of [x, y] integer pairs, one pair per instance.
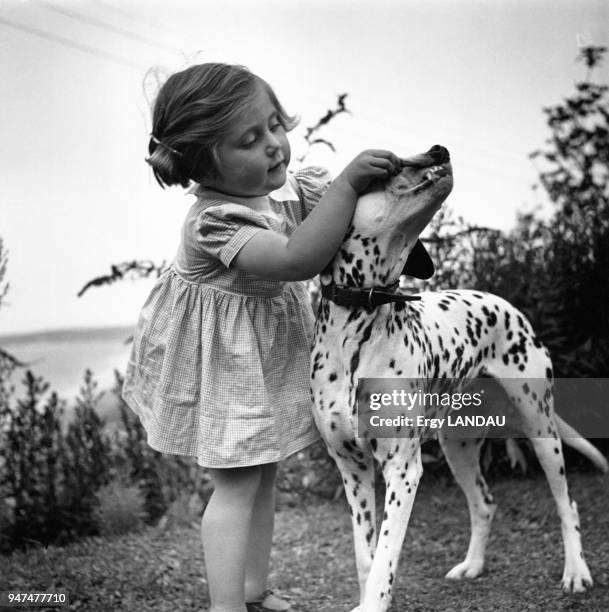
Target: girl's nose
{"points": [[273, 143]]}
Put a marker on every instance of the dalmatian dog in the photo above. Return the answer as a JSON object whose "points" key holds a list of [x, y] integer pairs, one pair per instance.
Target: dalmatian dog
{"points": [[365, 330]]}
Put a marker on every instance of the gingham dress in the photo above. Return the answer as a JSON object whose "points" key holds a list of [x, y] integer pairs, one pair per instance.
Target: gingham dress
{"points": [[219, 367]]}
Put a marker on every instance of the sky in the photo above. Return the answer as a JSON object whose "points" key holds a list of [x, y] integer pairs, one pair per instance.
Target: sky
{"points": [[76, 85]]}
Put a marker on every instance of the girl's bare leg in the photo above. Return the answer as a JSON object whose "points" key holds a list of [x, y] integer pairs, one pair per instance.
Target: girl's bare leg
{"points": [[261, 540], [225, 532]]}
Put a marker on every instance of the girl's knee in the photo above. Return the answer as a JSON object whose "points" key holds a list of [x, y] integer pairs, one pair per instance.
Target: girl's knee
{"points": [[242, 483]]}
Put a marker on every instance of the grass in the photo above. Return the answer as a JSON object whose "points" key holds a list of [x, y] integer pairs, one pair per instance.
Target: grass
{"points": [[163, 569]]}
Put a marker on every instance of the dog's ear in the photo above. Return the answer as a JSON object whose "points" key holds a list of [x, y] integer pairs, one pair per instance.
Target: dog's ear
{"points": [[419, 263]]}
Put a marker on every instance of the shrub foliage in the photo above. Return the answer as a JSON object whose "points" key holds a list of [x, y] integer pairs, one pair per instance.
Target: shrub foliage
{"points": [[58, 477]]}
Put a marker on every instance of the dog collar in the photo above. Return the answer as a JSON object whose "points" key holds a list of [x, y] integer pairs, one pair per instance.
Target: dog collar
{"points": [[343, 295]]}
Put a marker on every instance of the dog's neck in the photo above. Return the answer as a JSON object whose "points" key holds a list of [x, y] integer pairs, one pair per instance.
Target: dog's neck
{"points": [[368, 261]]}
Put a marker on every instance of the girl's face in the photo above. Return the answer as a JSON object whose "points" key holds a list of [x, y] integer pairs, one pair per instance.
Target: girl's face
{"points": [[254, 156]]}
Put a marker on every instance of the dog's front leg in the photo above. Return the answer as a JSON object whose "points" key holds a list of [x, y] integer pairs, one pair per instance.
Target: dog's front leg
{"points": [[357, 471], [402, 469]]}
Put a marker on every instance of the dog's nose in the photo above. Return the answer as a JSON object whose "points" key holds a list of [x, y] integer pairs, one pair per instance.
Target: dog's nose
{"points": [[439, 154]]}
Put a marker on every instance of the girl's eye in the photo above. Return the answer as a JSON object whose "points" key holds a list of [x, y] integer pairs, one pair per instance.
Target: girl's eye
{"points": [[249, 142], [275, 126]]}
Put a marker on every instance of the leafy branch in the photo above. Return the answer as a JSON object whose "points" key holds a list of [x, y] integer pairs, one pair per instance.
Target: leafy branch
{"points": [[128, 269], [8, 362], [473, 229], [311, 131]]}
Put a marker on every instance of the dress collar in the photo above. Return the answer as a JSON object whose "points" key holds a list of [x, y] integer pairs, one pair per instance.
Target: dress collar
{"points": [[286, 192]]}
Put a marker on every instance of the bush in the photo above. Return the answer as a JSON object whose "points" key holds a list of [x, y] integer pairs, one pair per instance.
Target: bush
{"points": [[86, 461], [30, 469], [311, 472], [119, 509], [58, 484]]}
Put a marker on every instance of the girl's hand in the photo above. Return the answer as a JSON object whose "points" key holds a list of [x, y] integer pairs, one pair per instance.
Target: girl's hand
{"points": [[312, 245], [369, 165]]}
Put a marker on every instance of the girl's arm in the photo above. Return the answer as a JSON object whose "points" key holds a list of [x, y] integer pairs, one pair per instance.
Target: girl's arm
{"points": [[315, 241]]}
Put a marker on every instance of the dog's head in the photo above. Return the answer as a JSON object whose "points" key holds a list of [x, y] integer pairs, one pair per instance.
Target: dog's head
{"points": [[388, 219]]}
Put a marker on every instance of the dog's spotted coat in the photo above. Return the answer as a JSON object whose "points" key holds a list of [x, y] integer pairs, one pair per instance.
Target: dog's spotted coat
{"points": [[447, 334]]}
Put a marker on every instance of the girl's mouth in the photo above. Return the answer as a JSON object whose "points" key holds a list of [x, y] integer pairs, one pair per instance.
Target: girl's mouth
{"points": [[277, 166]]}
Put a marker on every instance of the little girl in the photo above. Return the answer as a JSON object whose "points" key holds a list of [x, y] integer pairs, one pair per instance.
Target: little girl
{"points": [[219, 368]]}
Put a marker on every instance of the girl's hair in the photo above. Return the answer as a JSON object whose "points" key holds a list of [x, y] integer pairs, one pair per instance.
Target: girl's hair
{"points": [[193, 111]]}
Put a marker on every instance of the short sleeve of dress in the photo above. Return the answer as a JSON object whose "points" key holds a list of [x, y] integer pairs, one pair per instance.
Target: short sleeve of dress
{"points": [[312, 183], [221, 231]]}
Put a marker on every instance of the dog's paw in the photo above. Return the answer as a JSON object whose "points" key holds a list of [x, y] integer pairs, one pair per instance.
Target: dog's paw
{"points": [[466, 569], [576, 580]]}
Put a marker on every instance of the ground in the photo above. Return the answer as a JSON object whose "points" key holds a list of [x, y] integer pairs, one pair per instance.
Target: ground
{"points": [[313, 565]]}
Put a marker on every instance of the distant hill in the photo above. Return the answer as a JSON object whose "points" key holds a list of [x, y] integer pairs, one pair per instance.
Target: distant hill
{"points": [[61, 356], [68, 335]]}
